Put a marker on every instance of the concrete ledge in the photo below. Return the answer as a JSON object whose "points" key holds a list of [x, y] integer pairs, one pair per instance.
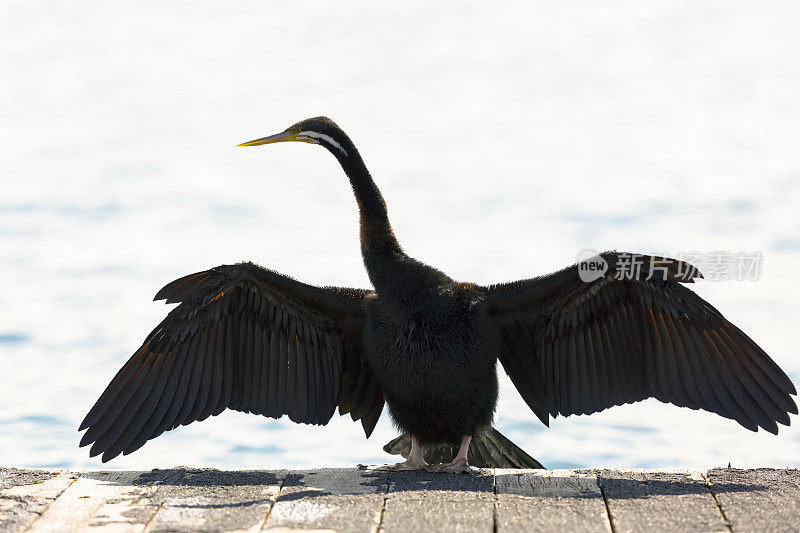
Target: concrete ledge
{"points": [[184, 499]]}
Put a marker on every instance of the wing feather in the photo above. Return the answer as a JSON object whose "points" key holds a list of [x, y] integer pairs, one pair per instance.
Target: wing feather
{"points": [[283, 367], [274, 371], [242, 338], [577, 347]]}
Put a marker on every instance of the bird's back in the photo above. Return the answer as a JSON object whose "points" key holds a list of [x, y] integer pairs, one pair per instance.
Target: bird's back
{"points": [[432, 358]]}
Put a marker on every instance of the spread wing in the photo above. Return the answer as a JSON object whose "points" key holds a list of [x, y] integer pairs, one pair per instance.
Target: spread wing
{"points": [[635, 332], [244, 338]]}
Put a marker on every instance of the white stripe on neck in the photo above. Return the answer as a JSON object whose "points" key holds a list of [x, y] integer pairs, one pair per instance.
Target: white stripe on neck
{"points": [[327, 138]]}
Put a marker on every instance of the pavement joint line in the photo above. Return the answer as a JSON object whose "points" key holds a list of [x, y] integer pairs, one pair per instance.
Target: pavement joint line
{"points": [[274, 499], [63, 471], [495, 509], [382, 512], [721, 507], [149, 524], [609, 514]]}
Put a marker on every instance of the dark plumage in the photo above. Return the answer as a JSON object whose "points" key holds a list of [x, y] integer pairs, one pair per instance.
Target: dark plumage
{"points": [[253, 340]]}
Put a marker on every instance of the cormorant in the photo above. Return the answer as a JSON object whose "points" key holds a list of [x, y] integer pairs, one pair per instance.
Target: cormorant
{"points": [[573, 342]]}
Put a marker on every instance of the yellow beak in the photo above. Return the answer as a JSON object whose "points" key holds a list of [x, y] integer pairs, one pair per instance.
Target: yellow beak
{"points": [[285, 136]]}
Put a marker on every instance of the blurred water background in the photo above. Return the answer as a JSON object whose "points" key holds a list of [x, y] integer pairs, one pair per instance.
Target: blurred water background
{"points": [[505, 137]]}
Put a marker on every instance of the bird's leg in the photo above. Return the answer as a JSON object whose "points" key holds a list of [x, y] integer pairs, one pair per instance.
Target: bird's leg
{"points": [[415, 460], [415, 457], [459, 464]]}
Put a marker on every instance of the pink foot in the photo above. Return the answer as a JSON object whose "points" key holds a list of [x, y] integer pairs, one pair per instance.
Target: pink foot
{"points": [[459, 466], [408, 464]]}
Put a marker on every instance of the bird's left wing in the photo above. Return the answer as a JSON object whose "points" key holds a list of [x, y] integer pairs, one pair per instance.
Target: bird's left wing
{"points": [[576, 345], [244, 338]]}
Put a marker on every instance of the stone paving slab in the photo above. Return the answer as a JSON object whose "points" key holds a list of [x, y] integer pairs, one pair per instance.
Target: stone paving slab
{"points": [[25, 494], [549, 500], [339, 499], [758, 500], [348, 499], [660, 501], [424, 501], [214, 500], [100, 500]]}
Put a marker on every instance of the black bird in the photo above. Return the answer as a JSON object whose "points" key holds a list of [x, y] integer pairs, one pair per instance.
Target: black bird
{"points": [[573, 342]]}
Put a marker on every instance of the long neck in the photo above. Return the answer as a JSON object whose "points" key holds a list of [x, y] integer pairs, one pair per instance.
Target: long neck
{"points": [[379, 245]]}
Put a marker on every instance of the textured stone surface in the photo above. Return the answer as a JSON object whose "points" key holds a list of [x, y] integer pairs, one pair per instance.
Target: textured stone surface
{"points": [[25, 494], [422, 501], [660, 501], [102, 501], [340, 499], [214, 500], [545, 500], [345, 500], [758, 500]]}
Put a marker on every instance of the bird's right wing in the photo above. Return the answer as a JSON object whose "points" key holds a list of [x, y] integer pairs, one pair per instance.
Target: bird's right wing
{"points": [[244, 338]]}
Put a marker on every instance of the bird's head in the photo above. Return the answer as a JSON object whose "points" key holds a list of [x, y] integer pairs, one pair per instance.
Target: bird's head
{"points": [[317, 130]]}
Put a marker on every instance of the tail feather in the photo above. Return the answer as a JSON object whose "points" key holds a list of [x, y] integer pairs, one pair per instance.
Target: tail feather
{"points": [[490, 449]]}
